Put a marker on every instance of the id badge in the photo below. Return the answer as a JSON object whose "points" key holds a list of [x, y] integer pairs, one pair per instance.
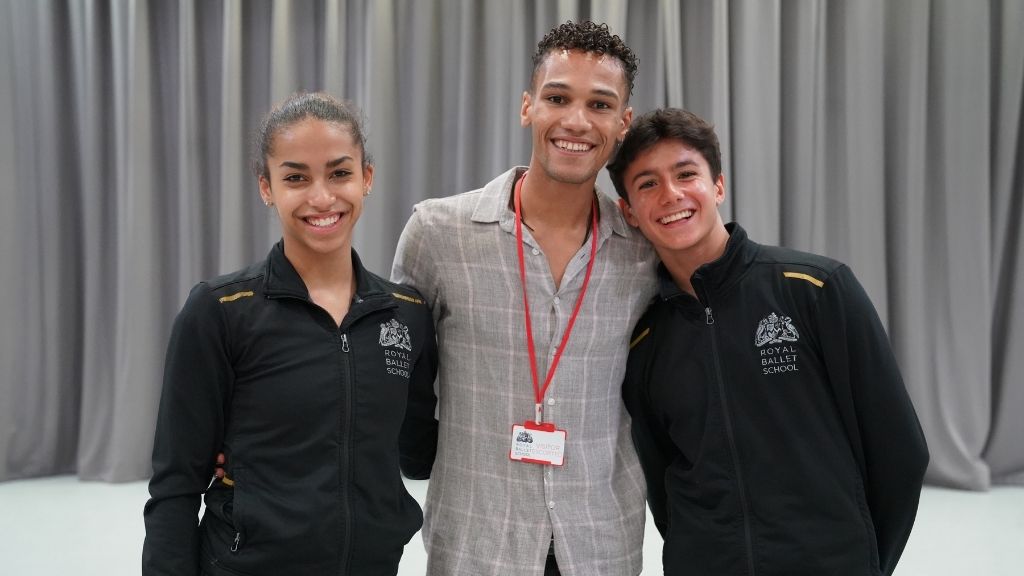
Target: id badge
{"points": [[538, 443]]}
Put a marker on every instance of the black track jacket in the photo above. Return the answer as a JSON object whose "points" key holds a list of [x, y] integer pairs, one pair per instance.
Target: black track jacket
{"points": [[771, 420], [309, 416]]}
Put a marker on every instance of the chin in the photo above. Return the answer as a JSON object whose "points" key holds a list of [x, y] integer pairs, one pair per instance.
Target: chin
{"points": [[570, 175]]}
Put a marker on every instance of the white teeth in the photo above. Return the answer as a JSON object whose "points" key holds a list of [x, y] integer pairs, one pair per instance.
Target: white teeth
{"points": [[325, 221], [677, 216], [573, 146]]}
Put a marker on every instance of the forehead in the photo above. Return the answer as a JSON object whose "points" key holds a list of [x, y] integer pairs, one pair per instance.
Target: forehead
{"points": [[666, 154], [577, 69], [312, 133], [310, 127]]}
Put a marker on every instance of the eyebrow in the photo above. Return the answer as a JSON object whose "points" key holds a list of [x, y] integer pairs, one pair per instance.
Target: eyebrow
{"points": [[301, 166], [680, 164], [598, 91]]}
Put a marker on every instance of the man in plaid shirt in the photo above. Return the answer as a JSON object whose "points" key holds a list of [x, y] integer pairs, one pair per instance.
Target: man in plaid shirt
{"points": [[535, 472]]}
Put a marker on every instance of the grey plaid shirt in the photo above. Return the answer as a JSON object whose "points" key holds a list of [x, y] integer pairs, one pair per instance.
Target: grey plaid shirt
{"points": [[486, 514]]}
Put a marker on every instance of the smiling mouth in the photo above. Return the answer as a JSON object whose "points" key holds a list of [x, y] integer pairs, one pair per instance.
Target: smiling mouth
{"points": [[324, 221], [684, 214], [572, 146]]}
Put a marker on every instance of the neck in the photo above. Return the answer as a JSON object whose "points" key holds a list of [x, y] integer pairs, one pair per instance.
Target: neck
{"points": [[681, 264], [333, 270], [549, 204]]}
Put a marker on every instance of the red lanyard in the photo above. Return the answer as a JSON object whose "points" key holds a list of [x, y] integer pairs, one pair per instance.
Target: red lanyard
{"points": [[538, 391]]}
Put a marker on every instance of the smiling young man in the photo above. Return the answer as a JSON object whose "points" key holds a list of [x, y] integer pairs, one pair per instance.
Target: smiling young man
{"points": [[769, 414], [535, 470]]}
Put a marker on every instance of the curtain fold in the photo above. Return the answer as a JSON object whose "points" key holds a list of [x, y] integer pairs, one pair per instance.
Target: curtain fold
{"points": [[889, 135], [10, 247], [1006, 125]]}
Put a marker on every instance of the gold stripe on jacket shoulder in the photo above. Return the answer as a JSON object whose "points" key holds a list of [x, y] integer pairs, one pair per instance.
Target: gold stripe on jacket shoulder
{"points": [[407, 298], [802, 276], [639, 338], [235, 296], [227, 481]]}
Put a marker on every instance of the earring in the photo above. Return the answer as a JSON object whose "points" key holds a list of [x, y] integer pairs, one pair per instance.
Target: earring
{"points": [[366, 191], [267, 203]]}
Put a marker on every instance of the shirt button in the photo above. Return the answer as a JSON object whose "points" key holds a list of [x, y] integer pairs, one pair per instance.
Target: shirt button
{"points": [[551, 505], [551, 401], [536, 252]]}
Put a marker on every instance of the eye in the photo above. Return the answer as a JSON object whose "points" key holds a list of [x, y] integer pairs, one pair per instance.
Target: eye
{"points": [[341, 173], [602, 105], [556, 99], [293, 178], [646, 184], [687, 175]]}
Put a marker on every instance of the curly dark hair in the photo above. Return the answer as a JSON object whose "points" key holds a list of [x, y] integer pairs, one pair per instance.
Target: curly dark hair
{"points": [[664, 124], [588, 37]]}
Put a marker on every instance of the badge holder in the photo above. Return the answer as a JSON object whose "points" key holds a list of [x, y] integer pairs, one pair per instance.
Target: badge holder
{"points": [[537, 443]]}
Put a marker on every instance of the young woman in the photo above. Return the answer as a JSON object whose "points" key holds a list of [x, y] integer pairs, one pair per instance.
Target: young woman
{"points": [[301, 369]]}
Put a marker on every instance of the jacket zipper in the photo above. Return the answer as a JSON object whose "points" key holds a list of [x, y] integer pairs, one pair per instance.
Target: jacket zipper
{"points": [[368, 306], [346, 459], [354, 315], [709, 319]]}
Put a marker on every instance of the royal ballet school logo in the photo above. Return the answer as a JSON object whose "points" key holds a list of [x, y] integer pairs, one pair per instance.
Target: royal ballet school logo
{"points": [[393, 333], [777, 329]]}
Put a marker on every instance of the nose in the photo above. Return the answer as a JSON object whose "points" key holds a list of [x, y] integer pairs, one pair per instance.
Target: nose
{"points": [[577, 118], [673, 192], [321, 196]]}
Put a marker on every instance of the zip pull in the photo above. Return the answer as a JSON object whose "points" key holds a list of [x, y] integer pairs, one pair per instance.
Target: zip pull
{"points": [[238, 538], [708, 318], [344, 342]]}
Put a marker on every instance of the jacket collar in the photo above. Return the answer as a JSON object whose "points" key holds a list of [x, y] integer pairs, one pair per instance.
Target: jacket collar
{"points": [[720, 274], [281, 279], [495, 201]]}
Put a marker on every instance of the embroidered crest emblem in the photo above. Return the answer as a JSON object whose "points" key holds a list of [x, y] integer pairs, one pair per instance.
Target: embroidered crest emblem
{"points": [[775, 329], [393, 333], [524, 436]]}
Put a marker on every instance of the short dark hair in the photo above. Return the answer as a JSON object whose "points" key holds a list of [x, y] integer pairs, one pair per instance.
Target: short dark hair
{"points": [[588, 37], [298, 107], [665, 124]]}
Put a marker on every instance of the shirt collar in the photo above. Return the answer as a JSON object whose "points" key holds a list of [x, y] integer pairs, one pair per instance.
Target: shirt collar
{"points": [[494, 207], [281, 278], [719, 274]]}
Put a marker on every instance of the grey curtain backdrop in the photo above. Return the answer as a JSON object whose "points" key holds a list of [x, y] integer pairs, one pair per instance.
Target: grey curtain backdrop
{"points": [[887, 134]]}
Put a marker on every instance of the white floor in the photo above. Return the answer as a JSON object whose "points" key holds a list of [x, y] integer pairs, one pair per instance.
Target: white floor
{"points": [[58, 526]]}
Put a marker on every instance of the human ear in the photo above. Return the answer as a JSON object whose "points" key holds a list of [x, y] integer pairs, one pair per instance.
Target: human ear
{"points": [[265, 192], [524, 112], [720, 189], [367, 179], [627, 119], [627, 213]]}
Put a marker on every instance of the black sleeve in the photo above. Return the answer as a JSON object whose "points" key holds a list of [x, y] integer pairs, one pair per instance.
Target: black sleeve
{"points": [[879, 418], [189, 432], [653, 445], [418, 439]]}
